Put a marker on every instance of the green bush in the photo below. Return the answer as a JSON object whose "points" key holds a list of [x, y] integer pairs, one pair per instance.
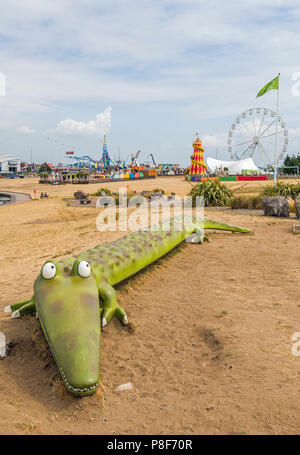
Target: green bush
{"points": [[281, 189], [244, 202], [103, 190], [215, 194], [291, 161]]}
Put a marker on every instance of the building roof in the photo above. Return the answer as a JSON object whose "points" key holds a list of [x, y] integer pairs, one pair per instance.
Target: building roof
{"points": [[8, 158], [234, 167]]}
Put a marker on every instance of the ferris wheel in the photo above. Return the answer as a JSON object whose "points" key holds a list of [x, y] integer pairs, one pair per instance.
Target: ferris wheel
{"points": [[253, 134]]}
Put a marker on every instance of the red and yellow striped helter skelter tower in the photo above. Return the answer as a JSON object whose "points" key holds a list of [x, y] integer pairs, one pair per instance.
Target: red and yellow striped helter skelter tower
{"points": [[198, 166]]}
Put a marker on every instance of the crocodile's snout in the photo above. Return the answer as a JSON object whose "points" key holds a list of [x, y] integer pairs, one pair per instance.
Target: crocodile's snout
{"points": [[68, 309]]}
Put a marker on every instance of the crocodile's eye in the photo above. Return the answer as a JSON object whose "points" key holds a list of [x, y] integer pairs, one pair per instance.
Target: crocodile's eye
{"points": [[84, 269], [49, 271]]}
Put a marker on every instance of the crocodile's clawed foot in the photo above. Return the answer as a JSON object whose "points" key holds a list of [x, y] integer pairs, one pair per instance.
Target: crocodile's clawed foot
{"points": [[111, 307], [109, 313], [20, 308], [197, 238], [121, 315]]}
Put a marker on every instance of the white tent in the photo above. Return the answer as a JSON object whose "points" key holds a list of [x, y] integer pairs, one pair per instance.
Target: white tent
{"points": [[234, 167]]}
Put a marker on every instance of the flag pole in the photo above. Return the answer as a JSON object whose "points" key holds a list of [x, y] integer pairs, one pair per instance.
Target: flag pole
{"points": [[276, 141]]}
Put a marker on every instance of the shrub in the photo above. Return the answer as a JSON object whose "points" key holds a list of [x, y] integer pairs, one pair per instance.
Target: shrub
{"points": [[102, 190], [281, 189], [214, 193], [243, 202]]}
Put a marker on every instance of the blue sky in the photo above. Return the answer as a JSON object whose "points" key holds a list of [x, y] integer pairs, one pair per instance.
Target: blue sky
{"points": [[152, 72]]}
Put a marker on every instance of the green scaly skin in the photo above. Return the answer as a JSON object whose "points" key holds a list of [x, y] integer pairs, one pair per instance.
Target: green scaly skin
{"points": [[70, 307]]}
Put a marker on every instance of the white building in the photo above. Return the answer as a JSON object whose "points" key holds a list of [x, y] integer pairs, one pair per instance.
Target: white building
{"points": [[9, 164], [234, 167]]}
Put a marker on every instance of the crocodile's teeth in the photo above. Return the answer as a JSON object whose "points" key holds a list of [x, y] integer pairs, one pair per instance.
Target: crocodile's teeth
{"points": [[16, 314], [7, 309], [104, 322]]}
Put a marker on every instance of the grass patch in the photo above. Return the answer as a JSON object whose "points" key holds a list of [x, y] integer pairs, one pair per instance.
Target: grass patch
{"points": [[244, 202], [246, 189]]}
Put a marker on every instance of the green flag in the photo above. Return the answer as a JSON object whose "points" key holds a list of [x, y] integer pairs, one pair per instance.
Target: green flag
{"points": [[272, 85]]}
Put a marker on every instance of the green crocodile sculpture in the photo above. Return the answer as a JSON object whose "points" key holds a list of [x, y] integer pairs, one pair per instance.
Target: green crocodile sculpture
{"points": [[70, 297]]}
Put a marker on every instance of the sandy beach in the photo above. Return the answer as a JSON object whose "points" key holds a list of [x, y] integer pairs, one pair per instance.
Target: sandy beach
{"points": [[210, 346]]}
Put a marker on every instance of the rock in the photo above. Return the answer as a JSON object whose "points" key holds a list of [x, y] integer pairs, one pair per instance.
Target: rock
{"points": [[127, 386], [2, 345], [296, 229], [80, 195], [104, 201], [276, 206], [297, 206], [155, 195], [85, 201]]}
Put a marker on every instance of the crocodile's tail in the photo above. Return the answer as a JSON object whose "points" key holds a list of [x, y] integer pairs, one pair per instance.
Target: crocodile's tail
{"points": [[197, 230], [210, 224]]}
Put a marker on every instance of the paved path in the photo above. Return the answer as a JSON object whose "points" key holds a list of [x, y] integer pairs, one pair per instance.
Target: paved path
{"points": [[15, 197]]}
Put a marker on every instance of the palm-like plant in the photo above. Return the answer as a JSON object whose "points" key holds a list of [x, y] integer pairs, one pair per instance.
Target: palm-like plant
{"points": [[214, 193]]}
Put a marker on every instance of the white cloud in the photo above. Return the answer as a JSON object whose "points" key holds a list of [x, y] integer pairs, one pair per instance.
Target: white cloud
{"points": [[101, 125], [214, 140], [26, 130], [294, 141], [294, 132], [153, 60]]}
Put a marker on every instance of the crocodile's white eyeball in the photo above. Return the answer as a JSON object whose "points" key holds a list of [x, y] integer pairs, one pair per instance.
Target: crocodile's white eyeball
{"points": [[84, 269], [49, 271]]}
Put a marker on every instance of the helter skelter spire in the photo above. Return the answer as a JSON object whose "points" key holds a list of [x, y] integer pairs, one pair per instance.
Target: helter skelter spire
{"points": [[198, 166]]}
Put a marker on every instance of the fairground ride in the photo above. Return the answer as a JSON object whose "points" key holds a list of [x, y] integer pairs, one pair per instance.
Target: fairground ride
{"points": [[253, 135]]}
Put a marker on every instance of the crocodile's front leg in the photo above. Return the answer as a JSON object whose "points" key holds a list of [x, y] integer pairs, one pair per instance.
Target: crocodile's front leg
{"points": [[110, 306], [21, 308]]}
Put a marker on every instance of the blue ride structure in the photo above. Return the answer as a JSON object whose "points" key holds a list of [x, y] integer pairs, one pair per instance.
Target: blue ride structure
{"points": [[105, 161]]}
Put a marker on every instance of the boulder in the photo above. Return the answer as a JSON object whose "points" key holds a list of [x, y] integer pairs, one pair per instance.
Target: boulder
{"points": [[297, 206], [80, 195], [156, 195], [276, 206], [85, 201], [105, 201]]}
